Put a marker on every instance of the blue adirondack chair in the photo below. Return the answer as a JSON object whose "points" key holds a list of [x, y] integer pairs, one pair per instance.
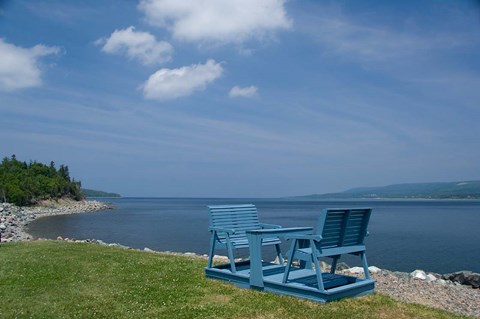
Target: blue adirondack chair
{"points": [[228, 224], [339, 231]]}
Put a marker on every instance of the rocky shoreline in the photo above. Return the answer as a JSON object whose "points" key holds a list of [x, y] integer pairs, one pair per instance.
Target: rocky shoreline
{"points": [[451, 292], [14, 219]]}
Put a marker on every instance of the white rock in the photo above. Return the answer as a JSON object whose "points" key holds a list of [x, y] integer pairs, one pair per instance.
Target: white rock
{"points": [[220, 258], [431, 278], [148, 250], [190, 254], [3, 227], [441, 282], [418, 274], [374, 270], [355, 270], [324, 266]]}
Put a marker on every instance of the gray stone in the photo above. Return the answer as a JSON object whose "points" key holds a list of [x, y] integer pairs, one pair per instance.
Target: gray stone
{"points": [[190, 254], [464, 278], [431, 278], [374, 270], [418, 274], [355, 270], [342, 266], [441, 282], [324, 266]]}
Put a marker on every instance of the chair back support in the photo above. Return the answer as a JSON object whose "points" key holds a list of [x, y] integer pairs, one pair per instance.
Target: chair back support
{"points": [[236, 217], [343, 227]]}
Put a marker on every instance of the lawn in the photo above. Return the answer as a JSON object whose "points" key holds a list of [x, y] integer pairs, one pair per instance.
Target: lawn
{"points": [[53, 279]]}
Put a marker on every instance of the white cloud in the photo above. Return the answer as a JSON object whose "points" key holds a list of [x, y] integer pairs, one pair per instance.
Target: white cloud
{"points": [[217, 20], [172, 83], [249, 91], [19, 67], [138, 45]]}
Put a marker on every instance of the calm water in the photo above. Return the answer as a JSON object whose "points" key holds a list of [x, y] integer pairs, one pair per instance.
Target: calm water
{"points": [[437, 236]]}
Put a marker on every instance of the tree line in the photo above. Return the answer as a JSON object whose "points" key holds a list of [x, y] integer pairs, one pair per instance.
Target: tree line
{"points": [[25, 184]]}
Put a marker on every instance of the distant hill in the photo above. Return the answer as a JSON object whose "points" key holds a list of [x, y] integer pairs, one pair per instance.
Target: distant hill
{"points": [[450, 190], [95, 193]]}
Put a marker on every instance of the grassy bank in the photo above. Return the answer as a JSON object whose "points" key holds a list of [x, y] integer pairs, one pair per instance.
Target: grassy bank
{"points": [[48, 279]]}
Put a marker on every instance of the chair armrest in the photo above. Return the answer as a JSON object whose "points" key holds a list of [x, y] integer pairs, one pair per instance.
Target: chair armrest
{"points": [[279, 231], [269, 226], [316, 238], [224, 230]]}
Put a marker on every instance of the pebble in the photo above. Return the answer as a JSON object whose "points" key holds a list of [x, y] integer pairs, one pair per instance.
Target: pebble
{"points": [[441, 294]]}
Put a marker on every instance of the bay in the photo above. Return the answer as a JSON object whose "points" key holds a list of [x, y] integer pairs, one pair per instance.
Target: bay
{"points": [[435, 235]]}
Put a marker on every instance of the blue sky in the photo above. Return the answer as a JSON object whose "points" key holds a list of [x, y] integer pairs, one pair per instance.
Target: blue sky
{"points": [[242, 98]]}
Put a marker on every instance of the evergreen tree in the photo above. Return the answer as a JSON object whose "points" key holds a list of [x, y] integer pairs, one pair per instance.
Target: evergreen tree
{"points": [[24, 184]]}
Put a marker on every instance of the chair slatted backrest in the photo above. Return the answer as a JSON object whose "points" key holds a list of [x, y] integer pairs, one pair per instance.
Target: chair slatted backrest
{"points": [[237, 217], [343, 227]]}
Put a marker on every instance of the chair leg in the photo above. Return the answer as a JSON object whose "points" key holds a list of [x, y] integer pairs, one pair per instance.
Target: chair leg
{"points": [[291, 254], [212, 251], [232, 259], [279, 254], [318, 270], [365, 265], [334, 264]]}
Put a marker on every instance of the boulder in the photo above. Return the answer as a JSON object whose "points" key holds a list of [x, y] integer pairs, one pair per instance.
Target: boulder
{"points": [[464, 278], [355, 270], [431, 278], [374, 270], [342, 266], [418, 274]]}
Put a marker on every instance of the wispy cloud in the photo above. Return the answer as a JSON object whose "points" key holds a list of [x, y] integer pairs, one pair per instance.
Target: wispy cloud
{"points": [[20, 67], [216, 21], [346, 36], [141, 46], [247, 92], [173, 83]]}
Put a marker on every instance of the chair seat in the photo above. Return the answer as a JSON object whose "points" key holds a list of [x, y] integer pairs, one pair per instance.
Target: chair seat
{"points": [[243, 243], [305, 253]]}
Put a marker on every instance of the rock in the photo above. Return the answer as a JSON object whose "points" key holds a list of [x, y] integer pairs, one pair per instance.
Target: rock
{"points": [[59, 238], [464, 278], [418, 274], [220, 258], [355, 270], [148, 250], [3, 227], [324, 266], [431, 278], [441, 282], [374, 270], [342, 266], [190, 254]]}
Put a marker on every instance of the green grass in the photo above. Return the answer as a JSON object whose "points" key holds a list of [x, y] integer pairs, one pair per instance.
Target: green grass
{"points": [[49, 279]]}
